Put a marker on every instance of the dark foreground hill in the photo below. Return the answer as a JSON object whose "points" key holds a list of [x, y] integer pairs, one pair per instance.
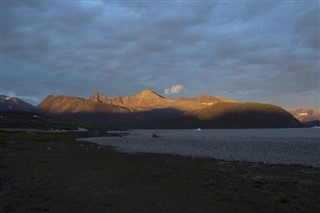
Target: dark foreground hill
{"points": [[237, 115], [148, 109], [31, 120], [315, 123]]}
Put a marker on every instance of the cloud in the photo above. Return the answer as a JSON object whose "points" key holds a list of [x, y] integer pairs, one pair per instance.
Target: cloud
{"points": [[176, 89], [252, 50]]}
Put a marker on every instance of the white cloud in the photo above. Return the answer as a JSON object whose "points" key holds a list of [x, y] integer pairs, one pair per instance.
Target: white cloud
{"points": [[176, 89]]}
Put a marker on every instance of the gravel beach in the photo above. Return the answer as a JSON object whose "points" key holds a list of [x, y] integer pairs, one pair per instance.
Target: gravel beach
{"points": [[274, 146]]}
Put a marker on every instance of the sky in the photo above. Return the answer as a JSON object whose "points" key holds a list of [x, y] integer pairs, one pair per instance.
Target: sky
{"points": [[262, 51]]}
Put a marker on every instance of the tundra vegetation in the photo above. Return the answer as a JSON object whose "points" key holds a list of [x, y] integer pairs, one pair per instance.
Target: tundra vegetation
{"points": [[53, 172]]}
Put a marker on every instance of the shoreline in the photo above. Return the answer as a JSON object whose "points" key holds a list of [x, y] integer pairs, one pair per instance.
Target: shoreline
{"points": [[287, 150]]}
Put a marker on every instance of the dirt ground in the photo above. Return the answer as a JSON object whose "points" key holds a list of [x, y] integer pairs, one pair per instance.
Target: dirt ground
{"points": [[51, 172]]}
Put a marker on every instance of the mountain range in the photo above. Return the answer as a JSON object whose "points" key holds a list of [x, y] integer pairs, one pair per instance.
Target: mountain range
{"points": [[309, 117], [305, 115], [13, 103], [142, 109], [148, 109], [148, 100]]}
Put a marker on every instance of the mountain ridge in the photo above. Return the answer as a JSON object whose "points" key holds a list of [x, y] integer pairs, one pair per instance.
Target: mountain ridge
{"points": [[148, 109], [68, 104], [146, 98], [14, 103], [305, 114], [309, 117], [239, 115]]}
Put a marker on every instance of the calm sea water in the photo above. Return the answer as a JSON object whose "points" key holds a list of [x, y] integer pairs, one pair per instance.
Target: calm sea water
{"points": [[300, 146], [213, 133]]}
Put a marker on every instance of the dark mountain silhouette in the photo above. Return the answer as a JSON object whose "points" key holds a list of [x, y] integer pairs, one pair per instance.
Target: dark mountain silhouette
{"points": [[148, 109], [314, 123], [13, 103], [237, 115], [29, 119]]}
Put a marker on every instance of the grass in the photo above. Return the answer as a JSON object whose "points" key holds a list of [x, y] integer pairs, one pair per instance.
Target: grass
{"points": [[284, 200], [21, 119], [84, 177], [258, 184]]}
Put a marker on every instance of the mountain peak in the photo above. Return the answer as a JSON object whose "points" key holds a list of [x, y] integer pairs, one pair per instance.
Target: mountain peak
{"points": [[204, 95], [206, 98], [13, 103], [4, 97], [147, 93], [96, 97]]}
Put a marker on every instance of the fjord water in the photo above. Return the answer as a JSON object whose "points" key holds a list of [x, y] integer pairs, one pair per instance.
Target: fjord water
{"points": [[299, 146], [213, 133]]}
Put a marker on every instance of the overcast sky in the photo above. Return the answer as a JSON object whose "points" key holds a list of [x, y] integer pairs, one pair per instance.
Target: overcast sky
{"points": [[264, 51]]}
